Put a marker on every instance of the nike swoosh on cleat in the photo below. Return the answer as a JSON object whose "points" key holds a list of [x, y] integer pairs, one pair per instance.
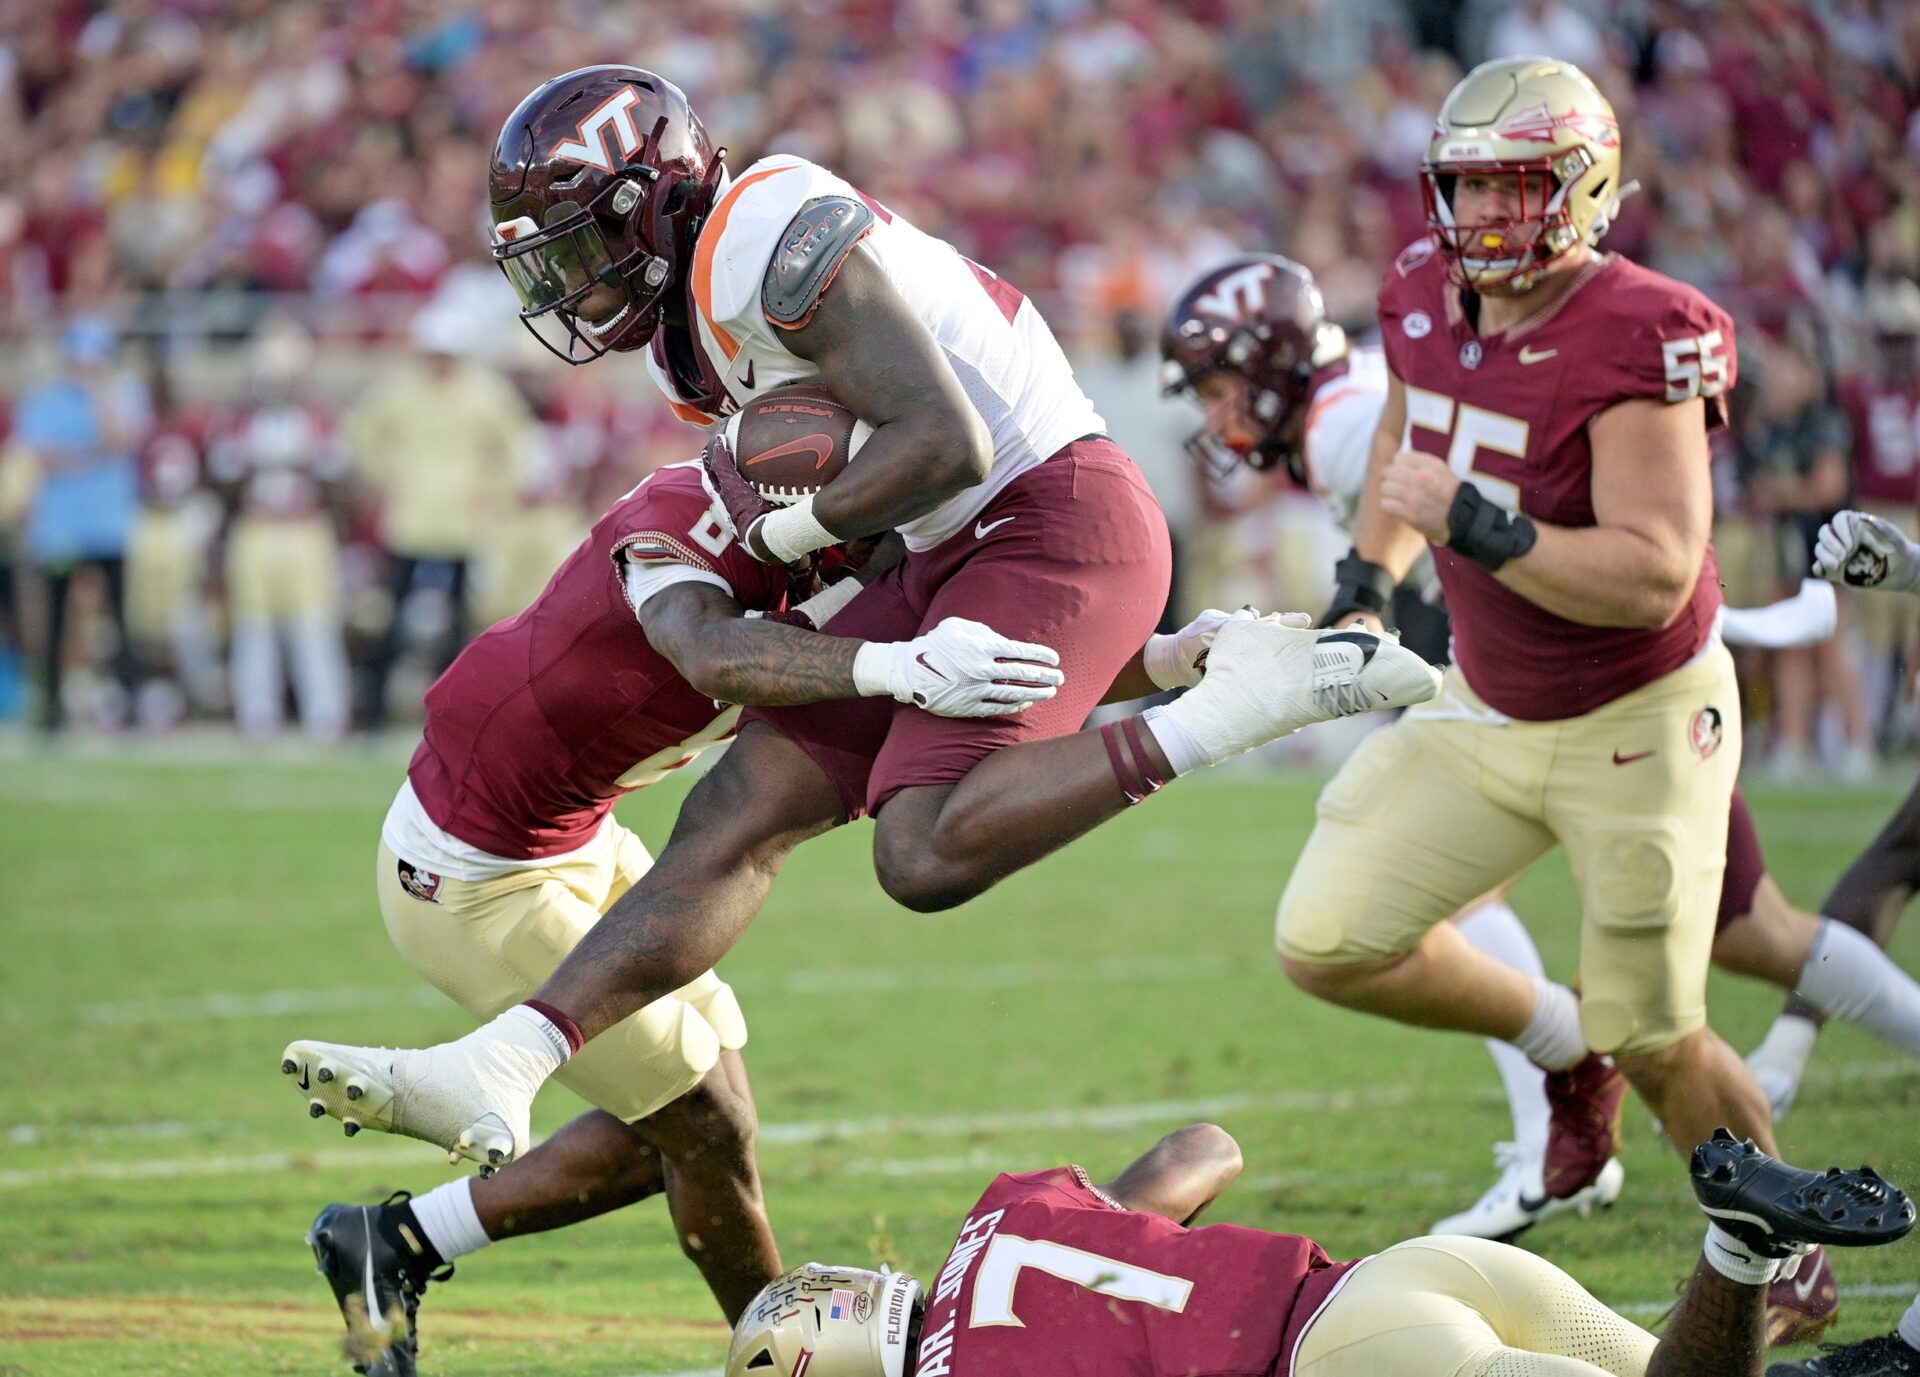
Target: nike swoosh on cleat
{"points": [[1532, 1206], [747, 381], [376, 1316], [1619, 759], [922, 657], [982, 528], [306, 1077], [1804, 1290]]}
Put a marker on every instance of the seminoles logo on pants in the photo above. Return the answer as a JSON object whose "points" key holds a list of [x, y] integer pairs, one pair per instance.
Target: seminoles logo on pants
{"points": [[1706, 732], [421, 884]]}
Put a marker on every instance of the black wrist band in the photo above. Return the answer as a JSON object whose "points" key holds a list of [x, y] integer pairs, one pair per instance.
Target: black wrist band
{"points": [[1360, 586], [1483, 532]]}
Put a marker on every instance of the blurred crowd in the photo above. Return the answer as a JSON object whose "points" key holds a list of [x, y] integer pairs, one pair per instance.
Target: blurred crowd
{"points": [[275, 445]]}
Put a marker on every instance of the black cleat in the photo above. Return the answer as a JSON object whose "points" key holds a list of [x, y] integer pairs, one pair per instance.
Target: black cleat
{"points": [[1885, 1356], [1775, 1209], [376, 1283]]}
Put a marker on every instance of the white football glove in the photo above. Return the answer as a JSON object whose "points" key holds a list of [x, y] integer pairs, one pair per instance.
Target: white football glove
{"points": [[959, 669], [1178, 660], [1865, 551]]}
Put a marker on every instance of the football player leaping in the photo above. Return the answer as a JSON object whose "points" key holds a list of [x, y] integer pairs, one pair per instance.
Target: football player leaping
{"points": [[500, 852], [1249, 340], [1866, 551], [615, 220], [1545, 430], [1054, 1276]]}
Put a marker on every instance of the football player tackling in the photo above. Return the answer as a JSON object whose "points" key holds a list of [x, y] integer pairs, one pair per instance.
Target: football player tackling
{"points": [[1054, 1276], [1545, 433], [616, 221]]}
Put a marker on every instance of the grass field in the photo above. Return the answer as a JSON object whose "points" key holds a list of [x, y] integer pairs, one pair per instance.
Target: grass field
{"points": [[168, 927]]}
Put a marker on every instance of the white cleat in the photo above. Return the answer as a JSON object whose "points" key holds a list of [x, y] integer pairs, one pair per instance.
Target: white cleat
{"points": [[1516, 1202], [470, 1097], [1268, 677]]}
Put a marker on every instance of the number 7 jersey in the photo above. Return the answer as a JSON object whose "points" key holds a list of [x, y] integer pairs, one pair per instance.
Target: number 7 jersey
{"points": [[1509, 412], [1053, 1278]]}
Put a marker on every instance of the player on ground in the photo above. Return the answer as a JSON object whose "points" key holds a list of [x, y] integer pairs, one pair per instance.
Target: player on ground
{"points": [[1249, 340], [500, 852], [615, 221], [1863, 550], [1545, 431], [1054, 1276]]}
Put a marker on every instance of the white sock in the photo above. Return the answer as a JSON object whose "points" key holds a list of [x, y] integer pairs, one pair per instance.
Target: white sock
{"points": [[1182, 749], [1553, 1038], [452, 1224], [513, 1025], [1496, 929], [1787, 1046], [1731, 1258], [1847, 976], [1909, 1327]]}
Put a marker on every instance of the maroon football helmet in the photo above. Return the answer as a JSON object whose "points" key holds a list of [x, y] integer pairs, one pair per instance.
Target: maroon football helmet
{"points": [[599, 183], [1259, 318]]}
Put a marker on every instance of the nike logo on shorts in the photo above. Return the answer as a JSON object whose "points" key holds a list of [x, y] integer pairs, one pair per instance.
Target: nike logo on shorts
{"points": [[981, 528], [1619, 759]]}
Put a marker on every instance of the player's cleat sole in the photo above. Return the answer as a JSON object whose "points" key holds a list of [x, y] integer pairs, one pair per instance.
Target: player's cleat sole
{"points": [[1770, 1206], [1885, 1355], [460, 1096], [376, 1286], [1516, 1202]]}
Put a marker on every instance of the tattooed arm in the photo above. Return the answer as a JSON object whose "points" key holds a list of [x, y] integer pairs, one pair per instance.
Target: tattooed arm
{"points": [[746, 660], [877, 356]]}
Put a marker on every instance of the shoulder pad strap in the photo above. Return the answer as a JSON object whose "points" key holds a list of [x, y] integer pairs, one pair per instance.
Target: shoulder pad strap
{"points": [[812, 248]]}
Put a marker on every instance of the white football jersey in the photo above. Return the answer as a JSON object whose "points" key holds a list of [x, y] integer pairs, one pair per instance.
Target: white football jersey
{"points": [[1341, 419], [1007, 360]]}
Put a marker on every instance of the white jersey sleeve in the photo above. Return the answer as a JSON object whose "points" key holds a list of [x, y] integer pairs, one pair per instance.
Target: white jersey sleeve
{"points": [[1341, 418], [1001, 351]]}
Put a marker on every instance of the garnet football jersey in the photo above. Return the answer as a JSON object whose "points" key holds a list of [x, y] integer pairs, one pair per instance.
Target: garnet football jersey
{"points": [[1509, 412], [1007, 360], [546, 718], [1886, 441], [1052, 1278]]}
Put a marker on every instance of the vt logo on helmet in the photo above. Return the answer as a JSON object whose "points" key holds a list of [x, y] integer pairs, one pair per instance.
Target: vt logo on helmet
{"points": [[599, 184], [1536, 149], [1244, 340]]}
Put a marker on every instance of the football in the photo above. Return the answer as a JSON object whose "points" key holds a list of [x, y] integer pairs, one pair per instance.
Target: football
{"points": [[791, 442]]}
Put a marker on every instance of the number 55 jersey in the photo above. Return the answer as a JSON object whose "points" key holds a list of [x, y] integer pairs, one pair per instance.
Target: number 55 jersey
{"points": [[1509, 412], [1053, 1278]]}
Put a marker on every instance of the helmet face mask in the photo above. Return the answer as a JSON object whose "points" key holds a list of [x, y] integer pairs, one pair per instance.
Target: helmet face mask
{"points": [[1542, 132]]}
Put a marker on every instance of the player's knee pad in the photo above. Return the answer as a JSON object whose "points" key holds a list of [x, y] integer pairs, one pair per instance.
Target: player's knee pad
{"points": [[714, 1000]]}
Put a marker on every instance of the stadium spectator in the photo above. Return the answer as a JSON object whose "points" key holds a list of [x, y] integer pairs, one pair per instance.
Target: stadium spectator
{"points": [[81, 426], [437, 446]]}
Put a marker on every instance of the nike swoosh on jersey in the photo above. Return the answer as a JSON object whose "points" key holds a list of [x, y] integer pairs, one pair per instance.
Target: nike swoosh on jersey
{"points": [[819, 446], [981, 528], [1619, 759], [1528, 355]]}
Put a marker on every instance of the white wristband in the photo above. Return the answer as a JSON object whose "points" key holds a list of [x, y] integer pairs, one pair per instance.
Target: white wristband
{"points": [[793, 533], [1160, 658], [825, 605], [870, 663]]}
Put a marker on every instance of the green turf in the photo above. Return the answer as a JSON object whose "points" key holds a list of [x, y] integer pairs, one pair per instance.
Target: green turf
{"points": [[156, 1176]]}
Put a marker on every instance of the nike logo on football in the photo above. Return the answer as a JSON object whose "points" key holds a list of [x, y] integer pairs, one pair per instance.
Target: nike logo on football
{"points": [[1619, 759], [819, 446], [922, 659], [981, 528], [1528, 355]]}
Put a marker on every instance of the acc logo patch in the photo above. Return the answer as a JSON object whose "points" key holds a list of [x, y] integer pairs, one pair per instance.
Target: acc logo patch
{"points": [[421, 884], [1417, 325], [1706, 732]]}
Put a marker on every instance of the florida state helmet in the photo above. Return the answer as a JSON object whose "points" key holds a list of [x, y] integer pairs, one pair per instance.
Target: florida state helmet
{"points": [[1258, 317], [600, 181], [1543, 121], [820, 1321]]}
